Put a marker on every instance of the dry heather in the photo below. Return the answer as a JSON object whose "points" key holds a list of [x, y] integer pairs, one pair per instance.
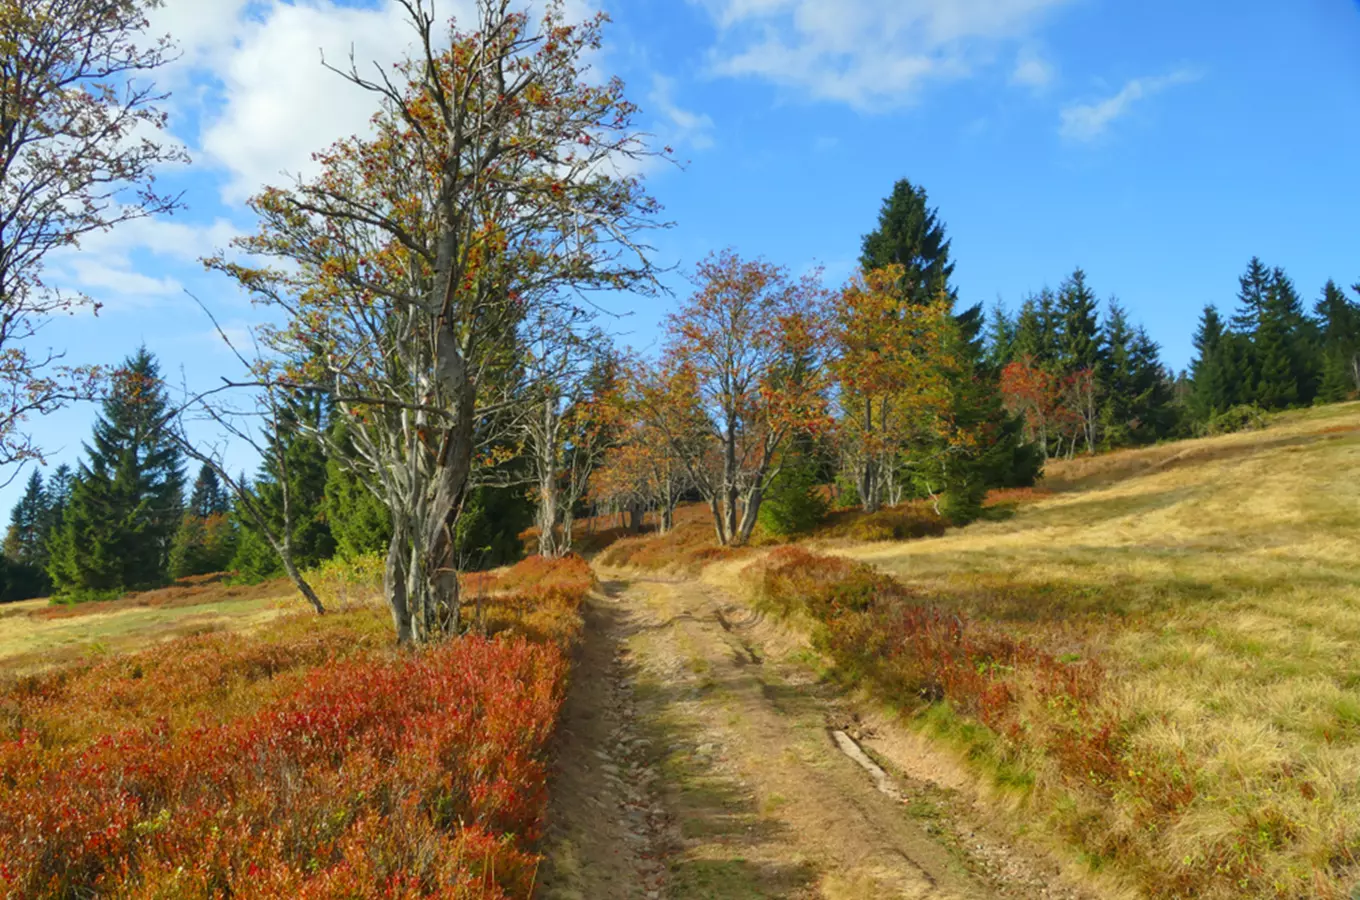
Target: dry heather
{"points": [[1216, 584]]}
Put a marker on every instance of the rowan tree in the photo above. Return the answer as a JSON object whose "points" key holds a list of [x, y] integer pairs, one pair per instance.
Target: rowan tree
{"points": [[1039, 395], [748, 346], [79, 150], [893, 370], [642, 470], [490, 189]]}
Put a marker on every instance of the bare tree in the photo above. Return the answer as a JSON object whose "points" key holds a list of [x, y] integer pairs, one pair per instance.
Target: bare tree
{"points": [[567, 425], [490, 189], [268, 443], [78, 154]]}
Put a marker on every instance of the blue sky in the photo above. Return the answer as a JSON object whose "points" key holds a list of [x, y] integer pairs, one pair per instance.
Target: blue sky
{"points": [[1158, 144]]}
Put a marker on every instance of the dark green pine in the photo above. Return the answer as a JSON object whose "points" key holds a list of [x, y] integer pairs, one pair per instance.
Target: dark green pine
{"points": [[209, 497], [1280, 347], [1339, 343], [298, 460], [24, 540], [1078, 325], [1036, 329], [125, 504], [910, 234]]}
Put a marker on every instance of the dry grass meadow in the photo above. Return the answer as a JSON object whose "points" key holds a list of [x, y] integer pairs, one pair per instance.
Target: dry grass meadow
{"points": [[1217, 583]]}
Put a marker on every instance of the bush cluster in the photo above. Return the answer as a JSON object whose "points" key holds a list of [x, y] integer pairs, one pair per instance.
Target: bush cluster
{"points": [[314, 761]]}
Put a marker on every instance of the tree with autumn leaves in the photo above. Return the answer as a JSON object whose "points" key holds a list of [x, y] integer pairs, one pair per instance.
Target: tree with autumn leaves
{"points": [[743, 371], [892, 364], [403, 272]]}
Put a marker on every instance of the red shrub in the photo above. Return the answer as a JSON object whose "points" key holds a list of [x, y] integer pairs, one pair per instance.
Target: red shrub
{"points": [[882, 632], [312, 761], [394, 777]]}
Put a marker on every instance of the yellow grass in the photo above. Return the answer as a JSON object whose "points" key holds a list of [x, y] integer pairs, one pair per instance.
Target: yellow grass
{"points": [[1218, 580]]}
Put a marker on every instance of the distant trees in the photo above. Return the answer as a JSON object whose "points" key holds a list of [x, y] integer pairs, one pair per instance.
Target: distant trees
{"points": [[1272, 354], [207, 537], [1078, 382]]}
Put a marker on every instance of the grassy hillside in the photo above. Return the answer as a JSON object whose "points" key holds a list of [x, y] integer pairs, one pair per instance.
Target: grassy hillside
{"points": [[1217, 584]]}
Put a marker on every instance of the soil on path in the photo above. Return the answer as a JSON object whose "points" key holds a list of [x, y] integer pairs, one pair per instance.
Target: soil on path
{"points": [[701, 756]]}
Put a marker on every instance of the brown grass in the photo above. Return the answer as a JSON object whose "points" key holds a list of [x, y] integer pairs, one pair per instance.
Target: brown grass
{"points": [[687, 548], [1215, 581]]}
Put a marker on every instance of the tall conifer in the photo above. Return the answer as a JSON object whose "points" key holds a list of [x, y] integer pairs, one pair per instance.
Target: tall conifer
{"points": [[1078, 325], [1339, 343], [126, 502]]}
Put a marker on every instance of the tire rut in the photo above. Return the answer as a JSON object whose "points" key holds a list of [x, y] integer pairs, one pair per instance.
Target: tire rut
{"points": [[679, 709]]}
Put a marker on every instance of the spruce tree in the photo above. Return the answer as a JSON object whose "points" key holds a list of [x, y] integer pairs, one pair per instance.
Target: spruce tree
{"points": [[23, 541], [1118, 403], [1036, 329], [1283, 363], [1251, 297], [300, 464], [910, 234], [1001, 329], [125, 504], [25, 547], [1153, 410], [1210, 391], [209, 498], [359, 521], [1078, 325], [1339, 344]]}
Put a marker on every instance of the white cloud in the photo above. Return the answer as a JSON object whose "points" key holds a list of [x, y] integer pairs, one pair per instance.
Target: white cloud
{"points": [[99, 279], [172, 239], [112, 266], [1032, 71], [683, 126], [281, 104], [1089, 121], [870, 54]]}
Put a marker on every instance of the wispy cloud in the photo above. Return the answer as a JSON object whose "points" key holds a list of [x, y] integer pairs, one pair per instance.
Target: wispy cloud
{"points": [[1085, 122], [683, 127], [870, 54], [1032, 71]]}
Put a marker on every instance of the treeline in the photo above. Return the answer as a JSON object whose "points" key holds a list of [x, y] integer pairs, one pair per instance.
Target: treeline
{"points": [[1271, 354], [773, 399], [1081, 381], [121, 522], [1084, 382]]}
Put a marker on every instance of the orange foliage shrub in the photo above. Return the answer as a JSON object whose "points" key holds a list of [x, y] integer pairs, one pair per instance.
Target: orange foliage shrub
{"points": [[688, 547], [313, 761], [537, 596], [884, 634]]}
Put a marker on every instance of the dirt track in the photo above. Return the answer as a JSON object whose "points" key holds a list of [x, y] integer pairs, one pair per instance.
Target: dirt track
{"points": [[702, 757]]}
